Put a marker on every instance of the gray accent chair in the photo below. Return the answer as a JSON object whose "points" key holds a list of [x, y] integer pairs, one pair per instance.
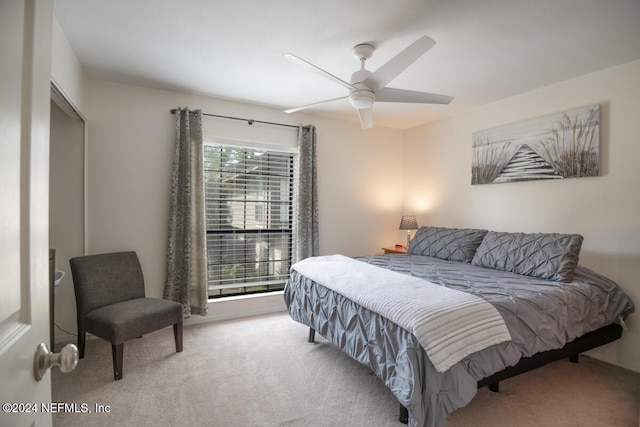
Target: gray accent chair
{"points": [[111, 303]]}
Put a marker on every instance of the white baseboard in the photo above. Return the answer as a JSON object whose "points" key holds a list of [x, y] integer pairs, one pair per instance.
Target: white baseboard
{"points": [[261, 304], [621, 352], [603, 357], [219, 309], [241, 306]]}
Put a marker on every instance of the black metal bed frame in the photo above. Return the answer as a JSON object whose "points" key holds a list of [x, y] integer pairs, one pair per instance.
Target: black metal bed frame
{"points": [[571, 350]]}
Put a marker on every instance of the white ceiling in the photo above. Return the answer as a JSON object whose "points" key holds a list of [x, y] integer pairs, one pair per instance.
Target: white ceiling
{"points": [[486, 50]]}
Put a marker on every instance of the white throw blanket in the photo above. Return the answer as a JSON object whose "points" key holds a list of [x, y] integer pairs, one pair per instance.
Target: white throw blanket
{"points": [[449, 324]]}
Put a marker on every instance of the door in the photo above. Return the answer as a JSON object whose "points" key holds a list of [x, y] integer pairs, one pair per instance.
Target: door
{"points": [[25, 73]]}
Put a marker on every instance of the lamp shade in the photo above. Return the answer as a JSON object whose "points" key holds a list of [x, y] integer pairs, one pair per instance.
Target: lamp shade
{"points": [[408, 222]]}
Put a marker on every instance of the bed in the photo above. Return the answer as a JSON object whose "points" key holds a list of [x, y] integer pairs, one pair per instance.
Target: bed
{"points": [[551, 307]]}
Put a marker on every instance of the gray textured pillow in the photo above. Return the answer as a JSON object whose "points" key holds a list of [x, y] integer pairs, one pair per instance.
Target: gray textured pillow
{"points": [[545, 256], [453, 244]]}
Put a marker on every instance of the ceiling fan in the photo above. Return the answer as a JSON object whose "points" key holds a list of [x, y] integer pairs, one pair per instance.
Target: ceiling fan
{"points": [[366, 87]]}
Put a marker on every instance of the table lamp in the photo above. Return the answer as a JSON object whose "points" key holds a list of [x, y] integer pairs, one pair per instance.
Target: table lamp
{"points": [[408, 223]]}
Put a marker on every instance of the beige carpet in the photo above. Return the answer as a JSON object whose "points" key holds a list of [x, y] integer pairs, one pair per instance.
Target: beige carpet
{"points": [[262, 372]]}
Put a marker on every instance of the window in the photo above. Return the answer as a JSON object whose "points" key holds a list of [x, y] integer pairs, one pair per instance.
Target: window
{"points": [[248, 206]]}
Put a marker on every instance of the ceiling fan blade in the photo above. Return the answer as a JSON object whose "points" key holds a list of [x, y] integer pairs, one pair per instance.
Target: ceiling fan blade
{"points": [[383, 75], [293, 110], [366, 117], [291, 57], [388, 94]]}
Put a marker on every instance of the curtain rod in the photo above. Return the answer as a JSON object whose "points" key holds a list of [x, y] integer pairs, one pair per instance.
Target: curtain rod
{"points": [[249, 121]]}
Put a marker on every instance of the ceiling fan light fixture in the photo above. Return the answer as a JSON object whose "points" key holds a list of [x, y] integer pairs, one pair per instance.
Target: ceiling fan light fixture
{"points": [[362, 99]]}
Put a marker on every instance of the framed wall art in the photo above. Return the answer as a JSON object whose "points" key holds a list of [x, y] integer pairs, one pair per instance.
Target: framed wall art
{"points": [[560, 145]]}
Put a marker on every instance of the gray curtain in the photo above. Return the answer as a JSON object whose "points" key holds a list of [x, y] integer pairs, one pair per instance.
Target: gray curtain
{"points": [[305, 199], [186, 280]]}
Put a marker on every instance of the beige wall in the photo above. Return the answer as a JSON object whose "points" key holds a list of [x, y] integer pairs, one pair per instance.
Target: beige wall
{"points": [[66, 186], [66, 71], [130, 144], [605, 209], [66, 207], [367, 179]]}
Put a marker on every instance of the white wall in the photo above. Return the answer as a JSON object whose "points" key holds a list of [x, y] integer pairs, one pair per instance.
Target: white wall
{"points": [[605, 209]]}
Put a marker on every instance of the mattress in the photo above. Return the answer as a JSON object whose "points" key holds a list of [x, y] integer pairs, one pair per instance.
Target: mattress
{"points": [[540, 314]]}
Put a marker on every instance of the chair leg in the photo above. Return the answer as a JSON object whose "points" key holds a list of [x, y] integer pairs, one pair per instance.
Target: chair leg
{"points": [[82, 338], [117, 351], [177, 335]]}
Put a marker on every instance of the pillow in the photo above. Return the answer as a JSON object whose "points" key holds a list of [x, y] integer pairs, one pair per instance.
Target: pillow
{"points": [[453, 244], [545, 256]]}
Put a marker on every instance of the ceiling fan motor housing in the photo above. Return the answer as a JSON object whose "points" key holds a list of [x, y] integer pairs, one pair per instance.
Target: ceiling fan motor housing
{"points": [[362, 97]]}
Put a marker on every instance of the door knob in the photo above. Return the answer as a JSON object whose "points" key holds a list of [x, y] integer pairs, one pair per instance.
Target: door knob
{"points": [[66, 360]]}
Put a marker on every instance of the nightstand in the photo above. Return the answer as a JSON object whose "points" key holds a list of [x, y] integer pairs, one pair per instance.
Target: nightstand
{"points": [[395, 250]]}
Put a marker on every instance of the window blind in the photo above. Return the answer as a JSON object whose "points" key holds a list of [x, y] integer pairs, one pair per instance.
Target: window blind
{"points": [[248, 219]]}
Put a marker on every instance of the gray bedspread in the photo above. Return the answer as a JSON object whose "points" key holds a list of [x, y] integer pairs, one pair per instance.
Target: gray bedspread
{"points": [[541, 315]]}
